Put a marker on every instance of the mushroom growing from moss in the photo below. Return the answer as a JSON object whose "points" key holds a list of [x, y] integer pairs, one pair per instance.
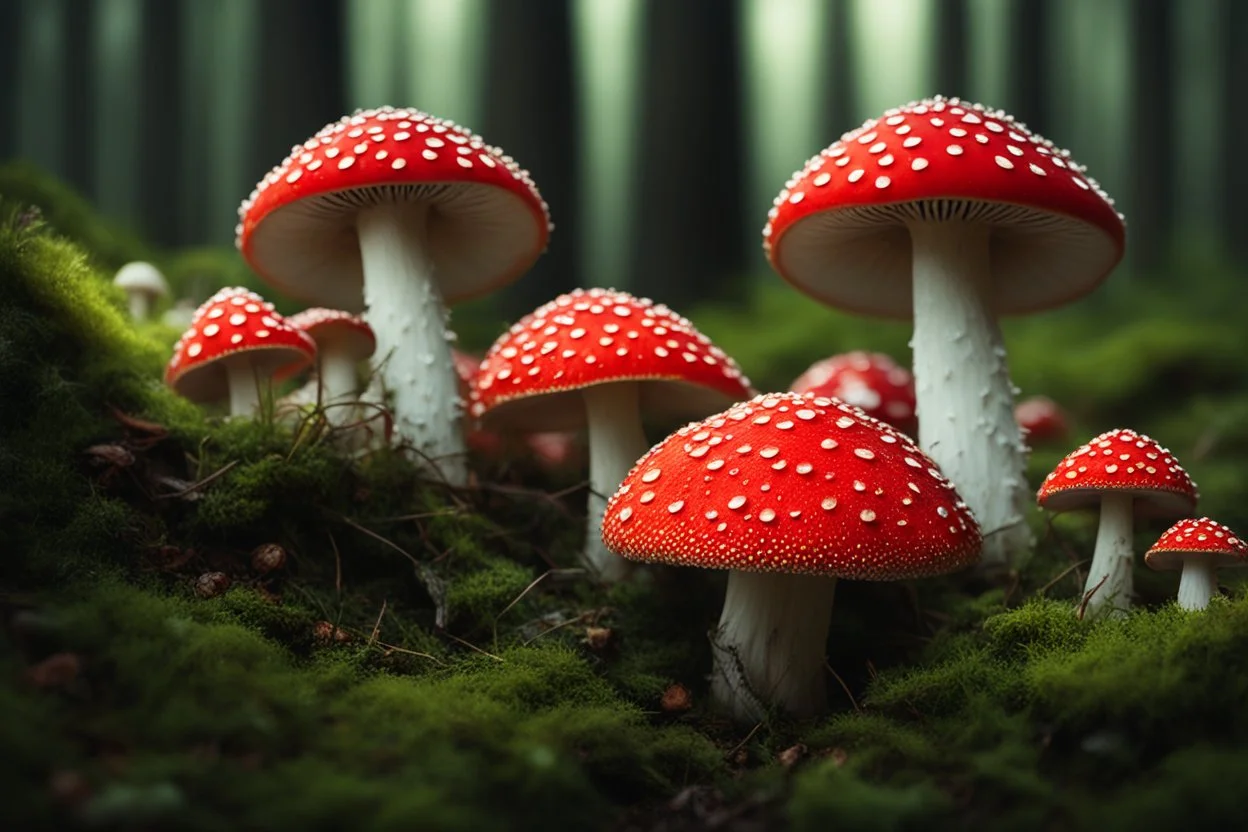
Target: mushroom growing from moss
{"points": [[789, 492], [1126, 474], [342, 342], [144, 285], [402, 213], [235, 343], [1199, 548], [600, 358], [953, 214]]}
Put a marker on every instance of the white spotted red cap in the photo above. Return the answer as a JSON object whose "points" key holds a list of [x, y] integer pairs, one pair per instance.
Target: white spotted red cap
{"points": [[793, 483], [1197, 538], [599, 336], [351, 332], [872, 381], [837, 229], [488, 226], [233, 321], [1121, 461]]}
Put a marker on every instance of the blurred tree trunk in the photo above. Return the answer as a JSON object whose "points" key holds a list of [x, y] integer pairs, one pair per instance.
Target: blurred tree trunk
{"points": [[117, 98], [1202, 54], [529, 112], [10, 45], [444, 50], [1031, 32], [608, 54], [952, 41], [895, 53], [161, 134], [373, 68], [688, 245], [43, 88], [992, 68], [80, 129], [1232, 177], [1150, 192]]}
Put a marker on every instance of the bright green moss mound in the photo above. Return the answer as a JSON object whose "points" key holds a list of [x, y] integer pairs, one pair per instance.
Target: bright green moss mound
{"points": [[425, 659]]}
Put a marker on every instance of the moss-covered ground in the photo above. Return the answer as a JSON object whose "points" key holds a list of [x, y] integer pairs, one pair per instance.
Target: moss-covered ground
{"points": [[426, 658]]}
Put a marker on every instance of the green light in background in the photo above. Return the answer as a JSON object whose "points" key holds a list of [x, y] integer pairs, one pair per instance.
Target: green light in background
{"points": [[374, 73], [894, 53], [444, 52]]}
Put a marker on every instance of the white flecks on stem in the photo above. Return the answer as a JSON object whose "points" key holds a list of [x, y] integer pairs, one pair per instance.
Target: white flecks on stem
{"points": [[616, 442], [962, 384], [406, 313], [1198, 582], [338, 385], [1111, 580], [244, 385], [771, 644]]}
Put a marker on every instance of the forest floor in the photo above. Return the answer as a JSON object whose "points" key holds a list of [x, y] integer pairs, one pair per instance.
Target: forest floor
{"points": [[429, 657]]}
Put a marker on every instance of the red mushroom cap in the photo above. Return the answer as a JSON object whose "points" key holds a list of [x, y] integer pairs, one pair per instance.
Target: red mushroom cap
{"points": [[296, 229], [872, 381], [233, 321], [350, 334], [792, 483], [1122, 461], [598, 336], [1041, 418], [1202, 538], [837, 231]]}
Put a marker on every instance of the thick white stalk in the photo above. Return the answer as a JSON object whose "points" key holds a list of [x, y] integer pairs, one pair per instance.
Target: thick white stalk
{"points": [[771, 645], [616, 442], [338, 385], [965, 398], [1110, 581], [1198, 582], [140, 305], [244, 386], [406, 313]]}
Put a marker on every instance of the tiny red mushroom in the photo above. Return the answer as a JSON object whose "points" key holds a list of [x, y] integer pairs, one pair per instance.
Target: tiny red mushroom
{"points": [[1127, 474], [953, 214], [236, 340], [1199, 548], [599, 358], [789, 492], [342, 341], [1041, 419], [401, 212], [872, 381]]}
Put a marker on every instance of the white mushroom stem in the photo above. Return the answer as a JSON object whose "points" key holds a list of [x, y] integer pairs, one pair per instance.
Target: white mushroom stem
{"points": [[338, 385], [407, 315], [1198, 582], [1110, 581], [616, 442], [244, 385], [771, 645], [962, 383], [140, 303]]}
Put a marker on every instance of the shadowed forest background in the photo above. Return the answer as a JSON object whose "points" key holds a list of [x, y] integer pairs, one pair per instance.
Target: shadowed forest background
{"points": [[658, 130]]}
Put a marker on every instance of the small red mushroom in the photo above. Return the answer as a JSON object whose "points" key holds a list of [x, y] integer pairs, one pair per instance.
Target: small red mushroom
{"points": [[1041, 419], [1199, 548], [789, 492], [342, 341], [951, 213], [871, 381], [1126, 473], [236, 341], [598, 358]]}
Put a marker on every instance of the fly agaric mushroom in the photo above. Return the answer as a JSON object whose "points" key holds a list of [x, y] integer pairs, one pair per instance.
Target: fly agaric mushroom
{"points": [[789, 492], [400, 212], [871, 381], [143, 284], [342, 341], [1199, 548], [600, 358], [235, 340], [1127, 474], [953, 214], [1041, 419]]}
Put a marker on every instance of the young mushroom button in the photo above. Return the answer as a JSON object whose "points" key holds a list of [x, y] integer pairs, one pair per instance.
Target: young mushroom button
{"points": [[1126, 474], [235, 343], [789, 492], [1199, 548], [620, 356], [953, 214], [401, 212]]}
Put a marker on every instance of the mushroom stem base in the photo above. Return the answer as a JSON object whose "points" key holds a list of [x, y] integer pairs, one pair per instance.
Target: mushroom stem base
{"points": [[962, 384], [616, 442], [771, 645], [244, 386], [1198, 583], [406, 313], [1110, 577]]}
